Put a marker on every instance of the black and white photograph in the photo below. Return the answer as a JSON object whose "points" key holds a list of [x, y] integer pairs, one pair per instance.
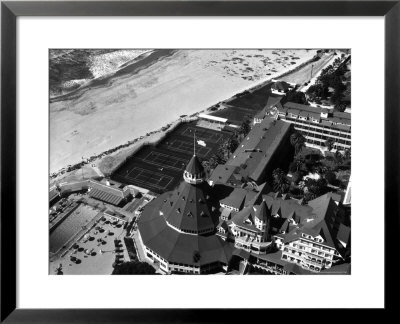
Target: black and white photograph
{"points": [[200, 161]]}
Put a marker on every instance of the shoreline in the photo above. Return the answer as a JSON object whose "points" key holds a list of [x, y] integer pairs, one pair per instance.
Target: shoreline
{"points": [[131, 144], [139, 63]]}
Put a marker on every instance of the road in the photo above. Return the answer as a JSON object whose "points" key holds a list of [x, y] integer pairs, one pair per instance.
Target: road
{"points": [[304, 74]]}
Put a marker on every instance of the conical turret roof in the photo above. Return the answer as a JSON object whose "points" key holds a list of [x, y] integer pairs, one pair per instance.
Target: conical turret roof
{"points": [[194, 166], [191, 208], [262, 212]]}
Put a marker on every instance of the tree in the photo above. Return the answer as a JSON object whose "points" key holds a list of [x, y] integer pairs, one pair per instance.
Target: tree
{"points": [[245, 127], [297, 177], [330, 177], [280, 182], [230, 145], [340, 106], [338, 157], [347, 154], [133, 267], [315, 188], [329, 144], [296, 97], [317, 91], [298, 141]]}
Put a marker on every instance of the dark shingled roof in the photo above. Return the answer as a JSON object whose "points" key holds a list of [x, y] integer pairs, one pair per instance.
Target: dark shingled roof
{"points": [[281, 85], [191, 207], [178, 247], [262, 212], [256, 151], [223, 173], [320, 220], [238, 197], [194, 166]]}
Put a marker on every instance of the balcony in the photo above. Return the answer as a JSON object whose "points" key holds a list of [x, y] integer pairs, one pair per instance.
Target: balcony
{"points": [[314, 263]]}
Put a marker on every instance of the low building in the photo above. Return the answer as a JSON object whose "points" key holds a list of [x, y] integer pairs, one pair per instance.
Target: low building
{"points": [[114, 195], [281, 88], [54, 195], [318, 124], [214, 119], [272, 102]]}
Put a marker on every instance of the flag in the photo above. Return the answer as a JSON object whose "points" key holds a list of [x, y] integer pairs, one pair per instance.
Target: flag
{"points": [[202, 143]]}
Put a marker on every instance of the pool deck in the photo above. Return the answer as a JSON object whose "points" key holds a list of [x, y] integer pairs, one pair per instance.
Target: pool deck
{"points": [[96, 262]]}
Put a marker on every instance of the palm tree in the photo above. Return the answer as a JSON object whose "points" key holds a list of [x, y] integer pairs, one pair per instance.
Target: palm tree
{"points": [[347, 154], [329, 144], [280, 182], [299, 164], [298, 141]]}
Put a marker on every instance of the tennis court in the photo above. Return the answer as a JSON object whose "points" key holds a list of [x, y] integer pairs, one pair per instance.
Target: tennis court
{"points": [[160, 168], [181, 146], [164, 160], [204, 134], [155, 179]]}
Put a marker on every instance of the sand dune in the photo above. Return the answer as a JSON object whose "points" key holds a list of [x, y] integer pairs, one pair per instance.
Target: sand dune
{"points": [[143, 98]]}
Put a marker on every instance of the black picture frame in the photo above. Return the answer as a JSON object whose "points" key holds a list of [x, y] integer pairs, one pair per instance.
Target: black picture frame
{"points": [[9, 13]]}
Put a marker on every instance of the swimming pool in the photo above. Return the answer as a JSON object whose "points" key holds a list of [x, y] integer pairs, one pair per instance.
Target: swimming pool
{"points": [[71, 226]]}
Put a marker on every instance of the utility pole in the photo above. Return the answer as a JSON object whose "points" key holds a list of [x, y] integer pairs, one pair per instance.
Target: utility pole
{"points": [[83, 177]]}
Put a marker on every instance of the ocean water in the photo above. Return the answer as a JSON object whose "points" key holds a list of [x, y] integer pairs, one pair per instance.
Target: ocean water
{"points": [[147, 92], [72, 68]]}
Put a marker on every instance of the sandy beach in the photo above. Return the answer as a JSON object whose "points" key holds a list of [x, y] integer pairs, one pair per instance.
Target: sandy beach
{"points": [[146, 95]]}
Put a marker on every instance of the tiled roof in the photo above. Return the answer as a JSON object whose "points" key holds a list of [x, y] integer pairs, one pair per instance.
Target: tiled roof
{"points": [[105, 196], [106, 188]]}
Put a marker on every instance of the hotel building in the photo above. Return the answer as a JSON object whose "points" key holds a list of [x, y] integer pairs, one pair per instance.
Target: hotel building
{"points": [[177, 229], [318, 124], [318, 242]]}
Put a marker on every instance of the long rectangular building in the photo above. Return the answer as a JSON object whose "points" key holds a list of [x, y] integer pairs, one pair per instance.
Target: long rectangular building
{"points": [[318, 124], [257, 155]]}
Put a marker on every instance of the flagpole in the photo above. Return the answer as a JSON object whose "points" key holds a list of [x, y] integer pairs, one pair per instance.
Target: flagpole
{"points": [[194, 143]]}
